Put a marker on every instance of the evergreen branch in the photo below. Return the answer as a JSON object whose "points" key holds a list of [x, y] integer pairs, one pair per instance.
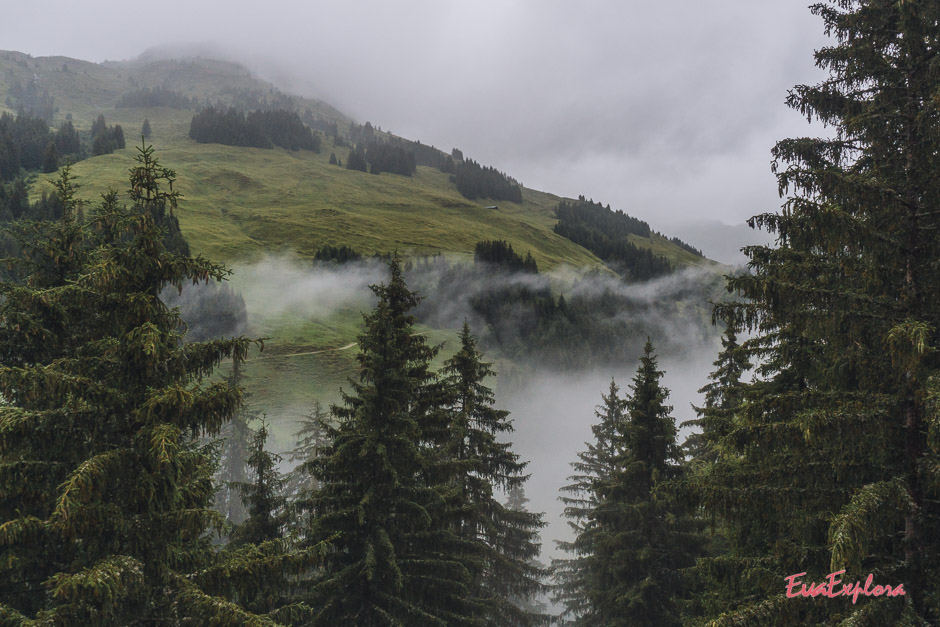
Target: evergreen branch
{"points": [[211, 610], [81, 483], [869, 514], [20, 530], [164, 443], [770, 611], [9, 617], [881, 611]]}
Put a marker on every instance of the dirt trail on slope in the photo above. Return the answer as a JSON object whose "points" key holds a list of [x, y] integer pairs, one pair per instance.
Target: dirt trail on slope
{"points": [[324, 350], [317, 352]]}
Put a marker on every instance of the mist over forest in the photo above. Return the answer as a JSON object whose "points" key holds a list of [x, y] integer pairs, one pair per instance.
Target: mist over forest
{"points": [[550, 390], [336, 345]]}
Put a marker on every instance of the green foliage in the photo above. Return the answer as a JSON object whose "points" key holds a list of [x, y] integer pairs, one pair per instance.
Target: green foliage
{"points": [[722, 401], [233, 457], [500, 253], [476, 181], [357, 160], [263, 496], [635, 530], [50, 161], [312, 438], [24, 143], [336, 254], [156, 97], [104, 508], [646, 534], [395, 560], [595, 322], [105, 139], [827, 460], [258, 129], [596, 464], [67, 141], [389, 158], [606, 234]]}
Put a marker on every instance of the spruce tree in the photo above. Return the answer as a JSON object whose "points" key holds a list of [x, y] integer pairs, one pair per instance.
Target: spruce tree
{"points": [[644, 532], [301, 484], [104, 510], [516, 500], [709, 455], [263, 537], [573, 580], [503, 541], [635, 530], [393, 561], [832, 457], [357, 159], [50, 161], [722, 400], [234, 452], [262, 497]]}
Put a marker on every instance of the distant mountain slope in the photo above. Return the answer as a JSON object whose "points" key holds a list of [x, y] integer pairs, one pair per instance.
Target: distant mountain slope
{"points": [[85, 89], [244, 202]]}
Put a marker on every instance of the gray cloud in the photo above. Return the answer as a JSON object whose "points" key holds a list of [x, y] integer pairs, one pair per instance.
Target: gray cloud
{"points": [[280, 285]]}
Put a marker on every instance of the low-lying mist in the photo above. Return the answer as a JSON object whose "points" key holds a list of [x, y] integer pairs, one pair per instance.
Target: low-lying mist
{"points": [[553, 413], [278, 286], [558, 337]]}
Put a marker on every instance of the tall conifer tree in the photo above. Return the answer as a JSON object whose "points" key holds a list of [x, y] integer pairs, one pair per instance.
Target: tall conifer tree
{"points": [[833, 456], [722, 400], [636, 534], [235, 439], [573, 579], [645, 533], [104, 507], [262, 497], [394, 561], [504, 541]]}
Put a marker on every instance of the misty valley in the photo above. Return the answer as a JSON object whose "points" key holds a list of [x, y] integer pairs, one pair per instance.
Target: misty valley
{"points": [[263, 364]]}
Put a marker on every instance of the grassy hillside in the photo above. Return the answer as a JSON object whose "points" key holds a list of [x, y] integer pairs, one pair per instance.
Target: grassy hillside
{"points": [[242, 203]]}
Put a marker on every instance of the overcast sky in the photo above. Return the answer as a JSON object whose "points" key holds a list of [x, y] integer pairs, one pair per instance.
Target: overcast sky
{"points": [[667, 110]]}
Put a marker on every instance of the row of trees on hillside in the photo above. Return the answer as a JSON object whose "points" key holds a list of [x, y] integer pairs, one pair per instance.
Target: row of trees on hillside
{"points": [[106, 139], [499, 253], [258, 129], [598, 322], [476, 181], [380, 157], [157, 97], [27, 143], [606, 234]]}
